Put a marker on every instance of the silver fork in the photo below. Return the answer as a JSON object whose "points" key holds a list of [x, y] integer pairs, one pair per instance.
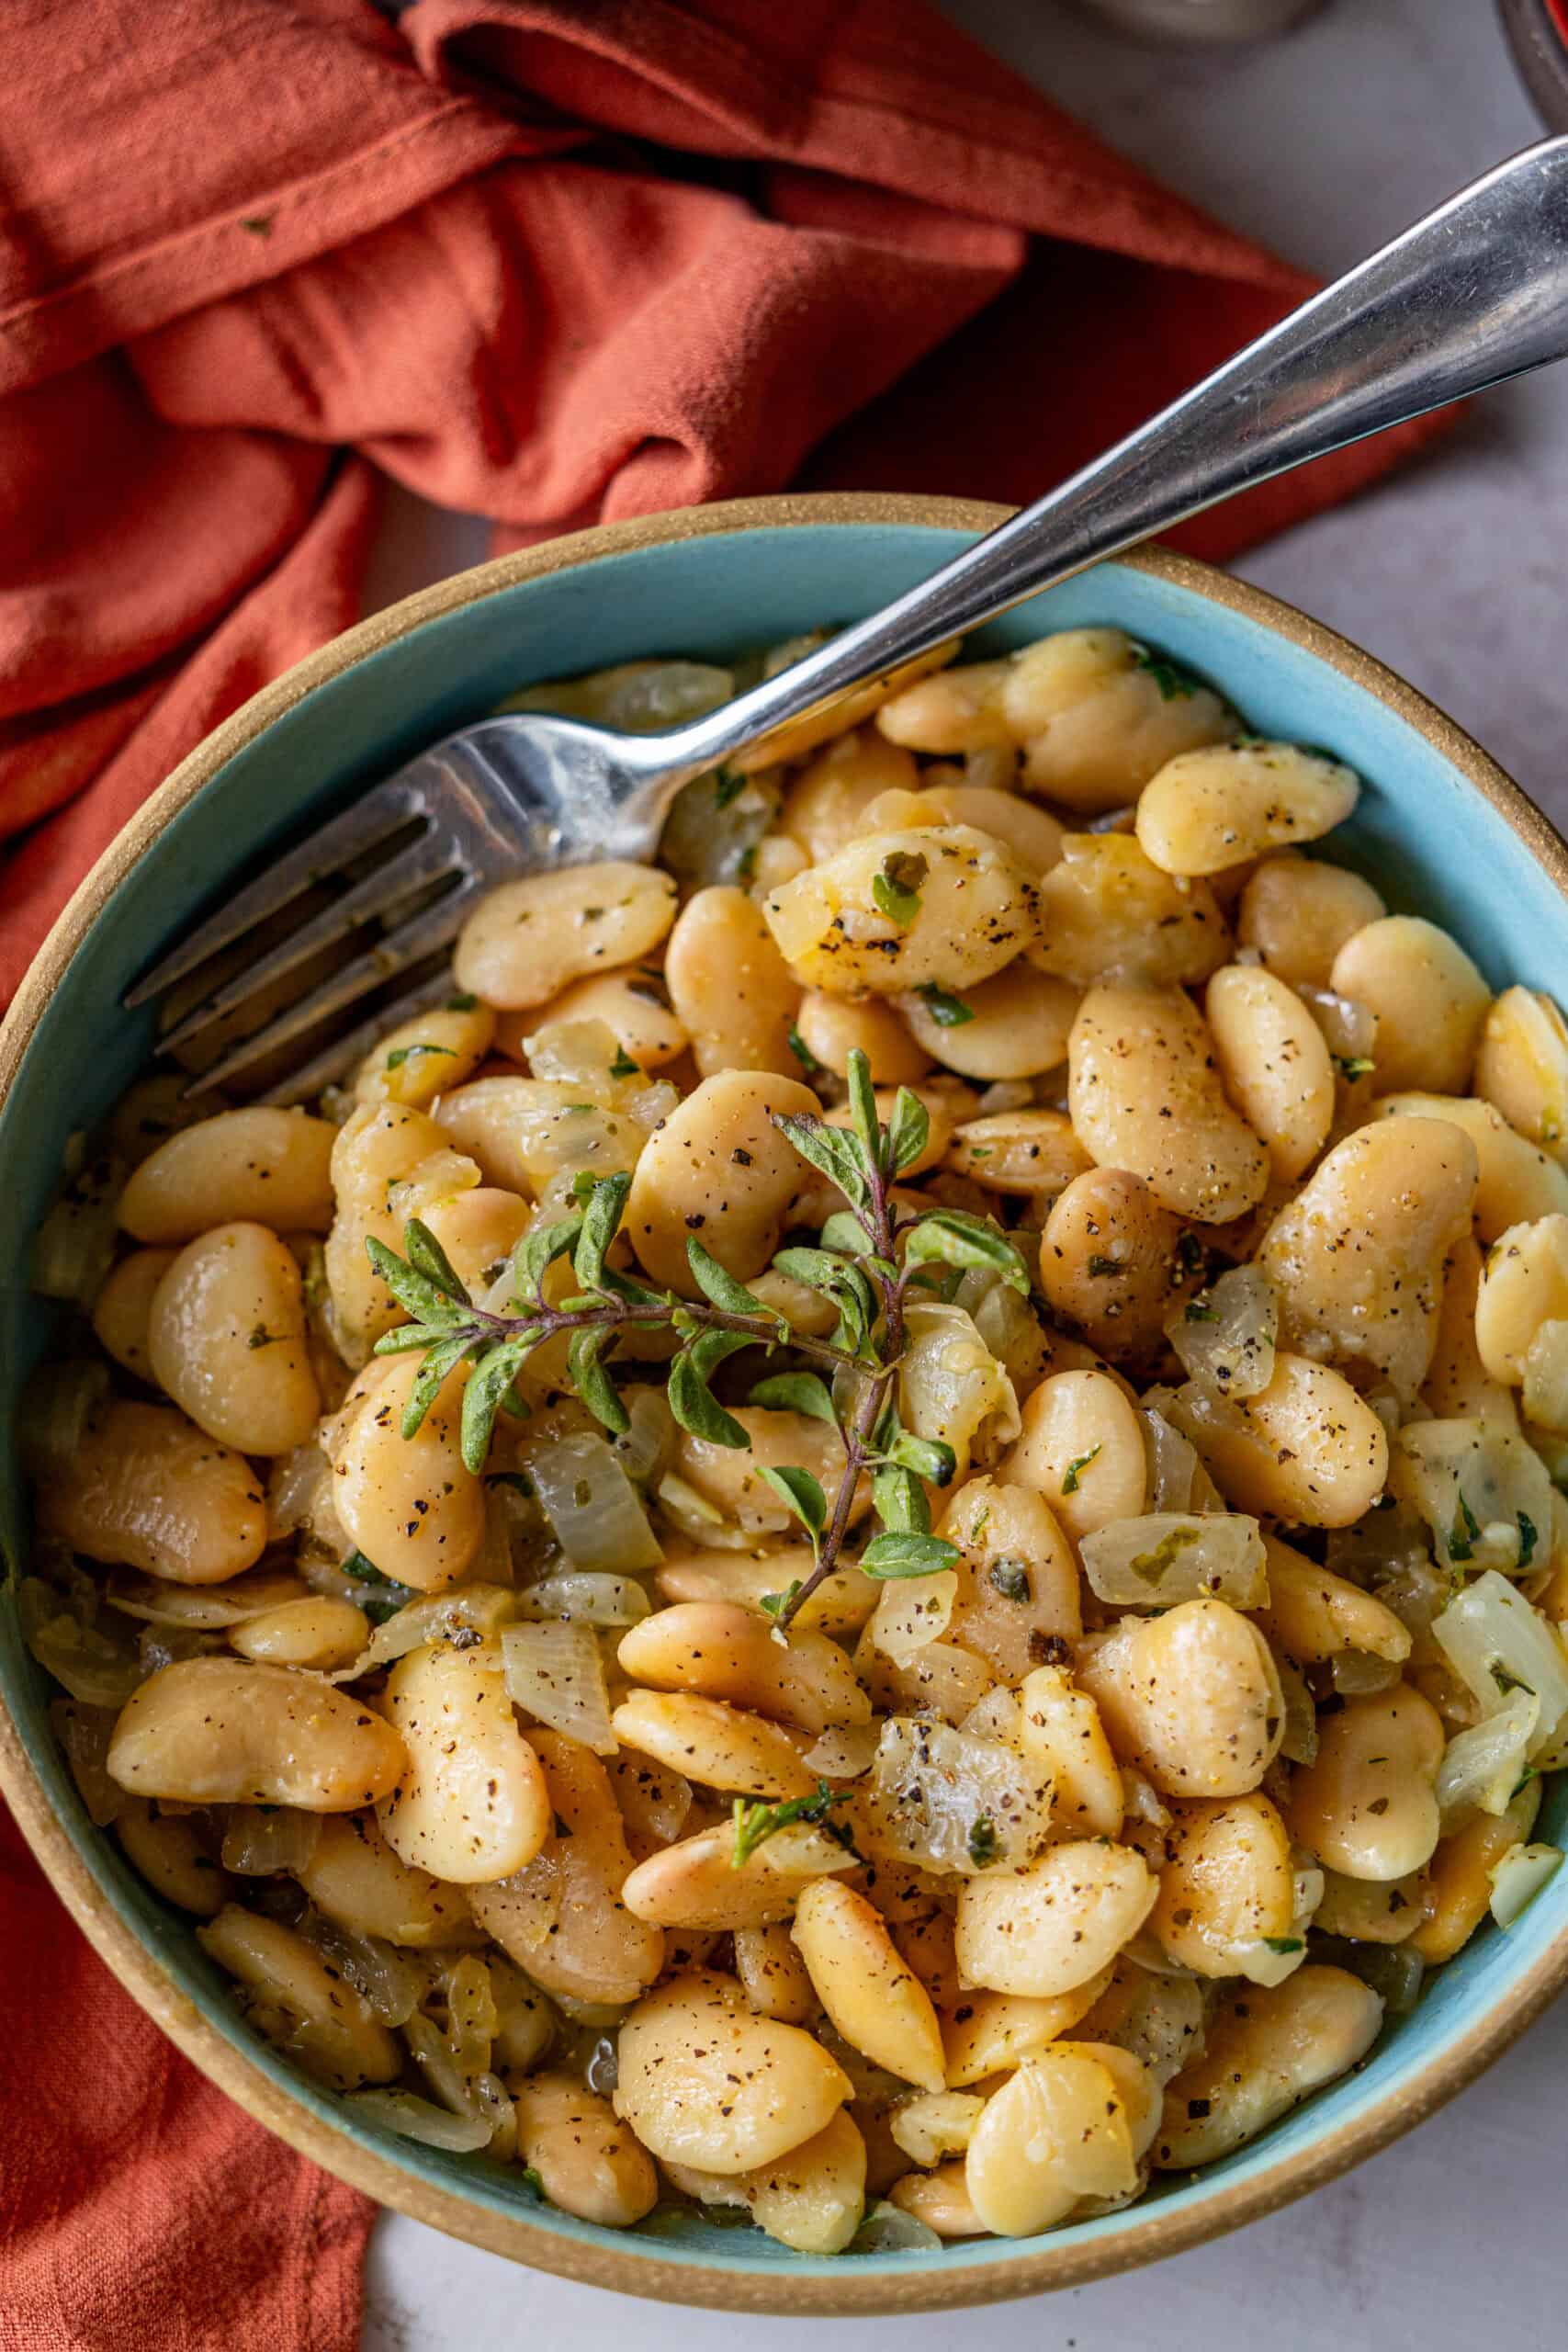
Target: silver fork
{"points": [[1475, 293]]}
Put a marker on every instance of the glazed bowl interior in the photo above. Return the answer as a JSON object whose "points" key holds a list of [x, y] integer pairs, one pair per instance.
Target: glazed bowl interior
{"points": [[1438, 829]]}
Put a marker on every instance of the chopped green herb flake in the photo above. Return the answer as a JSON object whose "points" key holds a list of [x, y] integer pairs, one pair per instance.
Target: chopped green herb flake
{"points": [[727, 785], [804, 1055], [1465, 1532], [1011, 1579], [1284, 1944], [1527, 1539], [464, 1002], [756, 1823], [1173, 683], [947, 1011], [1106, 1266], [1151, 1565], [1076, 1468], [401, 1054], [984, 1843]]}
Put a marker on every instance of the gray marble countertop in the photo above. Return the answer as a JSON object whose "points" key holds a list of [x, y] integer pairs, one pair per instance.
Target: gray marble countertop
{"points": [[1323, 143]]}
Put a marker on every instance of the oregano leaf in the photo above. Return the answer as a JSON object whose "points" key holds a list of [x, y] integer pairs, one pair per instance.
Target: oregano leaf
{"points": [[802, 1495], [426, 1256], [905, 1553], [953, 1238], [909, 1131], [831, 1150], [538, 1251], [719, 1286], [601, 1222], [488, 1386], [427, 1380], [584, 1361], [796, 1392], [413, 1291]]}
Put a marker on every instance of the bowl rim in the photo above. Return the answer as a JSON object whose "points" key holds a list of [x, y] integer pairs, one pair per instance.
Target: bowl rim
{"points": [[632, 2266]]}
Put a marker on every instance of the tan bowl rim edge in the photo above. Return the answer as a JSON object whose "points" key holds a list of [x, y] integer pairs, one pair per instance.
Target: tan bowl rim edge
{"points": [[637, 2268]]}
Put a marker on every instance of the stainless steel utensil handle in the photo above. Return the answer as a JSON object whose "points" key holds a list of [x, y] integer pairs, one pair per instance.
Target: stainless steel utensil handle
{"points": [[1475, 293]]}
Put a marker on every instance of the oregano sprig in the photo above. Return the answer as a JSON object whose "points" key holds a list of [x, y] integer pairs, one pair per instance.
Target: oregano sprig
{"points": [[867, 1258]]}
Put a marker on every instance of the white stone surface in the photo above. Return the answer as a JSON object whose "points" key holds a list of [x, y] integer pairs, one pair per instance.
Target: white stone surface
{"points": [[1323, 143]]}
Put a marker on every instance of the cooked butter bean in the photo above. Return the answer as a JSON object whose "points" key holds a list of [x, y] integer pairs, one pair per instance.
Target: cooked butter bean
{"points": [[1031, 1153], [297, 2001], [732, 991], [1375, 1911], [1305, 1449], [702, 2081], [1082, 1446], [1274, 1062], [1458, 1890], [959, 711], [379, 1146], [1264, 2050], [562, 1917], [411, 1504], [1049, 1928], [871, 1993], [1227, 1886], [147, 1489], [839, 1606], [1191, 1698], [774, 1974], [633, 1004], [527, 940], [1524, 1284], [588, 2162], [1098, 716], [1114, 1261], [793, 740], [166, 1848], [1214, 808], [1365, 1807], [986, 2033], [1017, 1026], [226, 1338], [1521, 1067], [824, 808], [1430, 1000], [122, 1311], [478, 1230], [272, 1166], [1457, 1386], [731, 1480], [1298, 914], [723, 1651], [1056, 2133], [1312, 1615], [963, 906], [1517, 1184], [1356, 1259], [720, 1169], [319, 1633], [1018, 1581], [832, 1027], [696, 1886], [1033, 835], [1060, 1727], [941, 2200], [721, 1747], [1107, 912], [355, 1877], [470, 1805], [225, 1731], [1145, 1096], [426, 1055]]}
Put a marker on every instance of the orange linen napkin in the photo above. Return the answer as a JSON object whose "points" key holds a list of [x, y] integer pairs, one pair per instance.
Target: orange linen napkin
{"points": [[547, 260]]}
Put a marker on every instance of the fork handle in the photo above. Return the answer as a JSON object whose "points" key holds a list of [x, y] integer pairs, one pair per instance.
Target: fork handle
{"points": [[1475, 293]]}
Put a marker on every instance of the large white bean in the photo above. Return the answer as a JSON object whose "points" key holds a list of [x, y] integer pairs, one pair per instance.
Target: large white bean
{"points": [[122, 1311], [1056, 2131], [702, 2081], [869, 1991], [294, 1999], [962, 906], [226, 1339], [1145, 1097], [1428, 996], [718, 1167], [1217, 806], [1298, 913], [1275, 1063], [587, 2160], [1018, 1026], [1099, 716], [1191, 1698], [1082, 1445], [723, 1651], [1306, 1449], [731, 990], [147, 1489], [229, 1731], [471, 1803], [1521, 1067], [1364, 1805], [379, 1146], [1050, 1928], [272, 1166], [411, 1504], [354, 1877], [526, 941], [1108, 913], [1264, 2049], [1517, 1182]]}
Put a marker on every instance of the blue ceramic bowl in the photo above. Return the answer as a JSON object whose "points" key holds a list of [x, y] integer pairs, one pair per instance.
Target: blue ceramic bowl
{"points": [[1440, 829]]}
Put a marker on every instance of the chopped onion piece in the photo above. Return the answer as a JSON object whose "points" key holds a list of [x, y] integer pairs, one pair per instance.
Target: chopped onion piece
{"points": [[1357, 1673], [1393, 1971], [947, 1801], [1499, 1646], [644, 1451], [416, 2119], [391, 1983], [1483, 1767], [479, 1610], [1350, 1026], [844, 1751], [556, 1674], [951, 1388], [1172, 1460], [886, 2230], [296, 1479], [575, 1053], [89, 1665], [595, 1510], [73, 1248], [1545, 1392], [578, 1598], [1481, 1487], [998, 1716], [85, 1734], [264, 1841], [911, 1611], [59, 1406], [1225, 1336], [206, 1608], [1518, 1878], [1174, 1556], [703, 1522], [1159, 2018], [1299, 1745], [934, 2124]]}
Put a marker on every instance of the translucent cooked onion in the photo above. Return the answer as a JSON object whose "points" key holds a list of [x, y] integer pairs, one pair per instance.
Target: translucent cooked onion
{"points": [[555, 1673], [264, 1841], [948, 1802], [391, 1983], [471, 2016], [92, 1667], [951, 1388], [480, 2097], [1357, 1674], [645, 1450], [843, 1752], [478, 1611], [886, 2230], [592, 1506], [581, 1598], [1172, 1462], [59, 1406], [1499, 1646], [576, 1053], [911, 1611], [1160, 2022], [1545, 1392], [1520, 1877], [416, 2118], [1299, 1745], [205, 1608], [700, 1521], [1006, 1324], [1482, 1489], [1225, 1336], [85, 1734], [1483, 1767], [75, 1245], [640, 697], [1393, 1971], [293, 1489], [1167, 1557], [998, 1716], [1350, 1027]]}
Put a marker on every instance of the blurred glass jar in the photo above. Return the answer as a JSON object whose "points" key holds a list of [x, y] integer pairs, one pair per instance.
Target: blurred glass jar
{"points": [[1537, 35], [1199, 21]]}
